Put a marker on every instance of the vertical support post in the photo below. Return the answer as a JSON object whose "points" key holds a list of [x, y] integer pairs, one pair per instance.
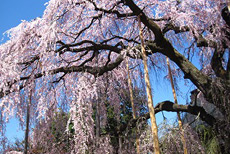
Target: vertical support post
{"points": [[149, 94], [178, 113], [133, 106]]}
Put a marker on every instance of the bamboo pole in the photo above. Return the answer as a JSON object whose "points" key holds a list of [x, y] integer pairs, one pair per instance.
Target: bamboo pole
{"points": [[178, 113], [133, 107], [149, 94]]}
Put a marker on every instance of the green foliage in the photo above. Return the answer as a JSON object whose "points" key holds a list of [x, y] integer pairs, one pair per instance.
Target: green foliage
{"points": [[71, 128], [209, 139], [58, 126], [58, 123], [112, 125]]}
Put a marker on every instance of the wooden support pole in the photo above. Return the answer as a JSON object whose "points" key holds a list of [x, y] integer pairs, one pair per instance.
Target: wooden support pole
{"points": [[133, 106], [178, 113], [149, 95]]}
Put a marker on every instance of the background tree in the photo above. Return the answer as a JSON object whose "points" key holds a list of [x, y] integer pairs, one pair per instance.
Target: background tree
{"points": [[57, 134]]}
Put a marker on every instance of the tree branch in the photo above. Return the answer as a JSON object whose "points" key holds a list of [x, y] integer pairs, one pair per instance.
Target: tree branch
{"points": [[202, 42], [96, 71], [172, 107], [146, 21], [93, 46], [190, 71], [216, 63], [176, 29], [111, 11]]}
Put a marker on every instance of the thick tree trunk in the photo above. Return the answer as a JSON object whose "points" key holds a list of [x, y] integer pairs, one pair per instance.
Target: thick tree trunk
{"points": [[219, 95]]}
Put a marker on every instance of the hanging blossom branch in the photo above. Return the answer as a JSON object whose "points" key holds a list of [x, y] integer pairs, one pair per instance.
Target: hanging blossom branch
{"points": [[97, 71]]}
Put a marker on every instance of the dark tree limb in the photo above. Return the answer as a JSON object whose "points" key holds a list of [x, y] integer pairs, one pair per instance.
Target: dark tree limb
{"points": [[146, 21], [91, 46], [201, 80], [226, 15], [96, 71], [202, 42], [216, 63], [112, 11], [172, 107], [176, 29], [100, 70]]}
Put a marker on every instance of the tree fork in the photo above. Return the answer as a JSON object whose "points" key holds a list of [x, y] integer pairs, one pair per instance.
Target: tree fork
{"points": [[178, 113], [149, 95], [133, 107]]}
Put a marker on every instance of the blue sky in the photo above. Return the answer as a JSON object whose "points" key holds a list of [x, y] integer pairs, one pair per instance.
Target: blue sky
{"points": [[11, 14], [13, 11]]}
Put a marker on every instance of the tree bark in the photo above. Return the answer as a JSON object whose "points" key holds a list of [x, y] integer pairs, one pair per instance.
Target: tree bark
{"points": [[27, 123], [172, 107]]}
